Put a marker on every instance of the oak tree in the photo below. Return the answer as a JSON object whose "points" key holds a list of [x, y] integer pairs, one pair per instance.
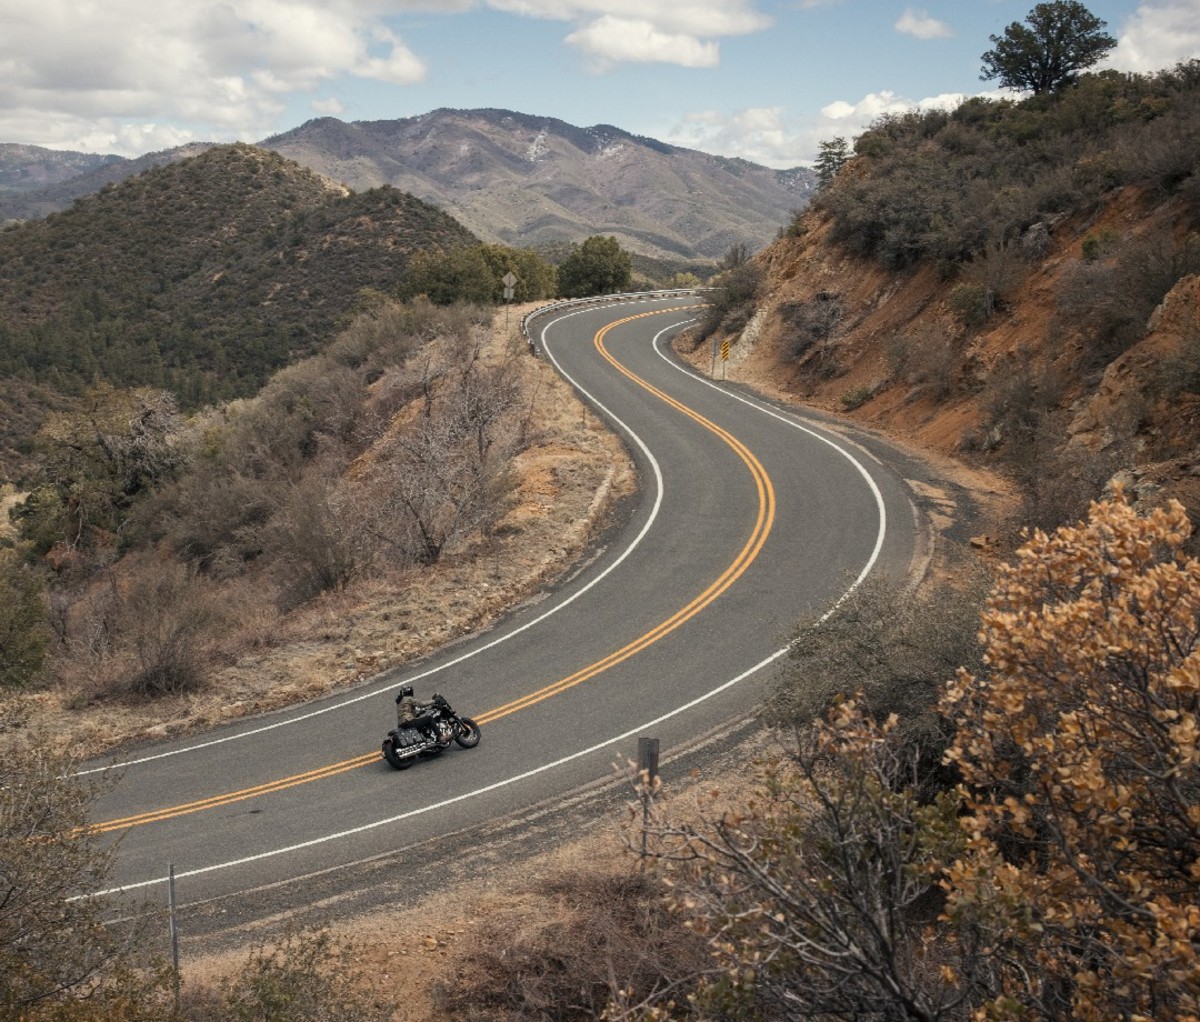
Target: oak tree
{"points": [[597, 267]]}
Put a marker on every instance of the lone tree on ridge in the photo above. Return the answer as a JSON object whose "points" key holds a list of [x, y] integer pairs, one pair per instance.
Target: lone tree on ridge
{"points": [[1057, 41]]}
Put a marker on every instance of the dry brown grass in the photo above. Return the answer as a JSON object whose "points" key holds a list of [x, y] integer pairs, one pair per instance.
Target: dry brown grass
{"points": [[8, 497]]}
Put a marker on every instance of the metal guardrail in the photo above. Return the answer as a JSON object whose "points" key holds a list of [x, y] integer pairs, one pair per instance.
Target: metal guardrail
{"points": [[567, 303]]}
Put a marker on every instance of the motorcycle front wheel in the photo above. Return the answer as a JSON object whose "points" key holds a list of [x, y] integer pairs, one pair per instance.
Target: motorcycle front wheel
{"points": [[468, 738]]}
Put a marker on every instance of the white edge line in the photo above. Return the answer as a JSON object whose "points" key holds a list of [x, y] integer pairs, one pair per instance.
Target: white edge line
{"points": [[880, 506], [517, 778]]}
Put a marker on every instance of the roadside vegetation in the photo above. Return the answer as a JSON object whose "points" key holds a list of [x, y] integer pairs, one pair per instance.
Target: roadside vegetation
{"points": [[151, 547], [960, 188], [1013, 325]]}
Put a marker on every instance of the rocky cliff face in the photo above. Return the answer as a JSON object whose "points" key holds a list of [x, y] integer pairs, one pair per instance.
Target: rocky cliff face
{"points": [[1033, 389]]}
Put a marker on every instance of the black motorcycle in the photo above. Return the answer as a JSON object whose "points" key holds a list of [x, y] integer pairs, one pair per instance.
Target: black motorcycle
{"points": [[429, 735]]}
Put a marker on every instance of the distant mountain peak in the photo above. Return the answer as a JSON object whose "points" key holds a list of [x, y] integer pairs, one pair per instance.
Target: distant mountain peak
{"points": [[510, 177], [525, 179]]}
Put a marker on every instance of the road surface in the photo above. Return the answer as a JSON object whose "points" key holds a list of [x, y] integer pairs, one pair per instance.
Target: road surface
{"points": [[750, 518]]}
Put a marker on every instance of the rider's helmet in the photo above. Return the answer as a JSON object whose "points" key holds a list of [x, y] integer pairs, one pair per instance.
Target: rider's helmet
{"points": [[405, 692]]}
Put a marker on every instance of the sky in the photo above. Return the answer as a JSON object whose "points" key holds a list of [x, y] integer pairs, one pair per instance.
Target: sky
{"points": [[765, 80]]}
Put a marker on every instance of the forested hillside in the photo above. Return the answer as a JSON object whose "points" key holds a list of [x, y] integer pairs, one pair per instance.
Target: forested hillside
{"points": [[202, 277]]}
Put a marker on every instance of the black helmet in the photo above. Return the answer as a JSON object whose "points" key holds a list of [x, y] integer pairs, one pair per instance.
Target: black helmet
{"points": [[405, 692]]}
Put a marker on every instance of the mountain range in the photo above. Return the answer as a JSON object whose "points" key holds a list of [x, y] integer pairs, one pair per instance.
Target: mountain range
{"points": [[508, 177]]}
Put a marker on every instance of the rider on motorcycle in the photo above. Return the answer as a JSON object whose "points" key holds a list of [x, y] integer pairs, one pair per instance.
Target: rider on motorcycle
{"points": [[410, 712]]}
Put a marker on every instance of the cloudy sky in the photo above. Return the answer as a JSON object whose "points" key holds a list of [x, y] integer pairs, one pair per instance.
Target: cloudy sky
{"points": [[762, 79]]}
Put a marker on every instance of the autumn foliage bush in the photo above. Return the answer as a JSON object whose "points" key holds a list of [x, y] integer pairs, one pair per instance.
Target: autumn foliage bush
{"points": [[1080, 755]]}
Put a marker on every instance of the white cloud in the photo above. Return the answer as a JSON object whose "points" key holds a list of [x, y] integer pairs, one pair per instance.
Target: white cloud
{"points": [[1158, 35], [331, 107], [398, 65], [772, 137], [922, 26], [700, 18], [122, 75], [760, 135], [118, 75], [681, 32], [854, 117], [110, 137], [619, 39]]}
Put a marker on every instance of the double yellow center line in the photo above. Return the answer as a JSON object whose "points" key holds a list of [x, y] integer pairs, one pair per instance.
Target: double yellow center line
{"points": [[762, 527]]}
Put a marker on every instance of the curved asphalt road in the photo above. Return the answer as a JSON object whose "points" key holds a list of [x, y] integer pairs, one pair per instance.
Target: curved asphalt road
{"points": [[750, 518]]}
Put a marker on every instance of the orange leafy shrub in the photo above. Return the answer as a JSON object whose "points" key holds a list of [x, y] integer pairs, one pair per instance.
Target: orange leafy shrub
{"points": [[1080, 756]]}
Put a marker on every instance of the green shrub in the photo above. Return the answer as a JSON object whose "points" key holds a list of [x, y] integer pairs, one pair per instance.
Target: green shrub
{"points": [[855, 398], [1112, 299], [811, 323], [893, 645], [932, 186], [970, 303], [1179, 373], [1094, 246], [24, 624], [924, 359], [732, 304]]}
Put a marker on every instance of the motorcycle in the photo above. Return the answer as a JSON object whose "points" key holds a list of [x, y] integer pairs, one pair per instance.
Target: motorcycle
{"points": [[429, 735]]}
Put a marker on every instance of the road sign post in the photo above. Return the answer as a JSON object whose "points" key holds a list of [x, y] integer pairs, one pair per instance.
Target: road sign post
{"points": [[509, 280], [648, 782], [174, 934]]}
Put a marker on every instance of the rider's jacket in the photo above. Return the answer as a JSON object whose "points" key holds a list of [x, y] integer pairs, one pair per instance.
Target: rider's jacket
{"points": [[408, 709]]}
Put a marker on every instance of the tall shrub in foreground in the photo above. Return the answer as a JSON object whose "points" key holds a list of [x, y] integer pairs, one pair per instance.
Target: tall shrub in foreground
{"points": [[58, 958], [1080, 753]]}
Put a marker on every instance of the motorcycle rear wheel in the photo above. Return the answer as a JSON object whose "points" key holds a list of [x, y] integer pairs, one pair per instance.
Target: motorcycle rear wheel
{"points": [[469, 737], [389, 753]]}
